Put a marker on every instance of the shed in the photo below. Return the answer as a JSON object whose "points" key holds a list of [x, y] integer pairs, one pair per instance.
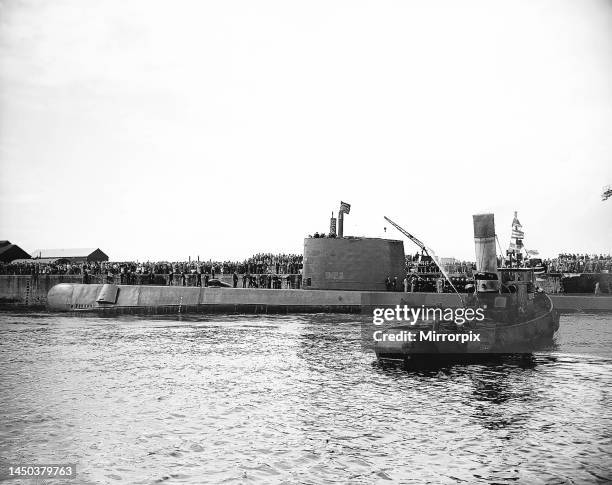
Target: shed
{"points": [[74, 255], [9, 252]]}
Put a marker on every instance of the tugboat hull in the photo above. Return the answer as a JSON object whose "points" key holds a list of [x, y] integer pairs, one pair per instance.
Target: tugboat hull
{"points": [[481, 340]]}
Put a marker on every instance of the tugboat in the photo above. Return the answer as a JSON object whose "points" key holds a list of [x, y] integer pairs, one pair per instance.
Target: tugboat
{"points": [[510, 315]]}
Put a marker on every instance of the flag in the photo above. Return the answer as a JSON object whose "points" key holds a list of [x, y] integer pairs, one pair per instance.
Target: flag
{"points": [[515, 222], [344, 207], [533, 252], [518, 234]]}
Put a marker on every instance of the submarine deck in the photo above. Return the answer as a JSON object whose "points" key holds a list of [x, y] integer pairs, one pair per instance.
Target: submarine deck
{"points": [[71, 297]]}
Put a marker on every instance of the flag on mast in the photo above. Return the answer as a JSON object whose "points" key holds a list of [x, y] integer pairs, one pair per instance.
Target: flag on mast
{"points": [[516, 240], [344, 207], [515, 221]]}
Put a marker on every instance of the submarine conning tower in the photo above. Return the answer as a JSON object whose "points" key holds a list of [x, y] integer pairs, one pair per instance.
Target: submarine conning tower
{"points": [[487, 278], [352, 263]]}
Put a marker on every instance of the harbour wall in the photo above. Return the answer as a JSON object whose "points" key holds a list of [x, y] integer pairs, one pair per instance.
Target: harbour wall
{"points": [[21, 290], [581, 302], [32, 290]]}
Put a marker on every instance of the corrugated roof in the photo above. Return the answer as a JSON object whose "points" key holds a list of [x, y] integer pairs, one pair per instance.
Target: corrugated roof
{"points": [[63, 253]]}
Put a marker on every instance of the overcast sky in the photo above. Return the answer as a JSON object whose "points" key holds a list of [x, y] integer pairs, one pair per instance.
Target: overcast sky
{"points": [[162, 130]]}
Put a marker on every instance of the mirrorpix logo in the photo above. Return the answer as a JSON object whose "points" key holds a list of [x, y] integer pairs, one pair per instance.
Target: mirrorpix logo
{"points": [[413, 315]]}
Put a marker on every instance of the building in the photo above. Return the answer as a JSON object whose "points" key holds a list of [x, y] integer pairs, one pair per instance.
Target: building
{"points": [[78, 255], [10, 252]]}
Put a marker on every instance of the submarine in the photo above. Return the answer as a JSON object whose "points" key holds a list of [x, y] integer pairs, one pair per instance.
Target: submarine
{"points": [[341, 274]]}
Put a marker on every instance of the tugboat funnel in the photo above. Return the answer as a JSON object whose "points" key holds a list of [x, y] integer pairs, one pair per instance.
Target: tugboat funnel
{"points": [[487, 277]]}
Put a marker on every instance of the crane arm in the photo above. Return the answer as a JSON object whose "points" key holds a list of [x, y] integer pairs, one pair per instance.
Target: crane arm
{"points": [[408, 235], [431, 254]]}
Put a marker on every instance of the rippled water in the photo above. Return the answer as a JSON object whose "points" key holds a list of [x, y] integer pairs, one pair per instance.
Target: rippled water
{"points": [[246, 399]]}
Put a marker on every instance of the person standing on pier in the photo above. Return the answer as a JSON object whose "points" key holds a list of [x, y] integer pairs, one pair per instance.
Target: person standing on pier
{"points": [[235, 279]]}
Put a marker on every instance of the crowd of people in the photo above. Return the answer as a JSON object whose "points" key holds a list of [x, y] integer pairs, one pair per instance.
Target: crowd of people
{"points": [[564, 263], [417, 283], [419, 264], [268, 270], [262, 263], [31, 267], [579, 263]]}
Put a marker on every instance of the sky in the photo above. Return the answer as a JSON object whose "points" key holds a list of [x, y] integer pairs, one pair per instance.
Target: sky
{"points": [[168, 130]]}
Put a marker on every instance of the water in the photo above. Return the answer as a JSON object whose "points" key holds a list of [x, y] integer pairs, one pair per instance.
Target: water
{"points": [[294, 399]]}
